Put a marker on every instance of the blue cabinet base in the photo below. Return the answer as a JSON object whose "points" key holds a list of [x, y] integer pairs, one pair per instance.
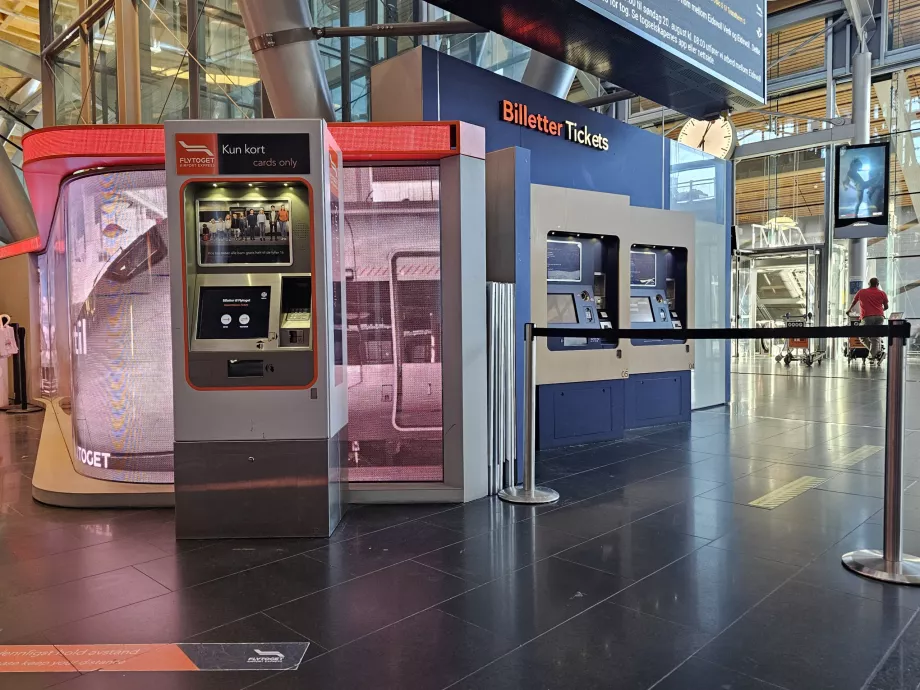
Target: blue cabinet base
{"points": [[570, 414]]}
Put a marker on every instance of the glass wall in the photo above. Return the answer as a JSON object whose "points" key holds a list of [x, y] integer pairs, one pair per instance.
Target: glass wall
{"points": [[779, 200], [163, 30], [698, 186]]}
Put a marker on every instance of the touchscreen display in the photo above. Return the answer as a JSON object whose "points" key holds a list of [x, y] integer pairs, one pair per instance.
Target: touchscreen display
{"points": [[640, 310], [561, 309], [233, 313]]}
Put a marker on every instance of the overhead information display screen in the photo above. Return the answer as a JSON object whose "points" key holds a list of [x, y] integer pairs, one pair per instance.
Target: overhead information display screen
{"points": [[699, 57], [233, 313], [724, 37]]}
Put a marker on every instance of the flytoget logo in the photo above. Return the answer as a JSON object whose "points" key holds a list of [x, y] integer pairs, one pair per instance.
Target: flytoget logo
{"points": [[195, 154], [192, 148], [265, 657]]}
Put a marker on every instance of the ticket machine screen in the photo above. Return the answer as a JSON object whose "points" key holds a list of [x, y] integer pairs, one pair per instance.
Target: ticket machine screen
{"points": [[560, 308], [640, 310], [233, 313]]}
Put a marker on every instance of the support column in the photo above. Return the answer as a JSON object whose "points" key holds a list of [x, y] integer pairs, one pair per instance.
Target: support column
{"points": [[549, 75], [128, 62], [291, 69], [862, 82]]}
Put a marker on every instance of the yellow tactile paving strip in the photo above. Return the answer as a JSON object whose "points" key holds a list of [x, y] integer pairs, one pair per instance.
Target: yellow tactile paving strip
{"points": [[787, 492]]}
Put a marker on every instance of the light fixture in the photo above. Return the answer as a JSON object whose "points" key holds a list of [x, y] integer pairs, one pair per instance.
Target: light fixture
{"points": [[215, 184], [250, 184]]}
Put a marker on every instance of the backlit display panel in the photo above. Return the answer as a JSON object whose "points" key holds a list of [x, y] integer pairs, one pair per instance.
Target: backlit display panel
{"points": [[393, 300], [115, 290]]}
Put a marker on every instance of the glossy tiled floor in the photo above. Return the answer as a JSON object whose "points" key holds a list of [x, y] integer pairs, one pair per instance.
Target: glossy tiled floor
{"points": [[652, 571]]}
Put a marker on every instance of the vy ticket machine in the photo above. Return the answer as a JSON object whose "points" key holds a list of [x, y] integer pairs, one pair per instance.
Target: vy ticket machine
{"points": [[257, 292]]}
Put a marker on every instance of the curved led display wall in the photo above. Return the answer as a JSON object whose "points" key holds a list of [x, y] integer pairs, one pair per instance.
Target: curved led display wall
{"points": [[106, 325]]}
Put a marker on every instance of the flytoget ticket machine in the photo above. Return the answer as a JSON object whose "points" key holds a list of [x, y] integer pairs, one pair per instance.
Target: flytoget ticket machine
{"points": [[258, 313]]}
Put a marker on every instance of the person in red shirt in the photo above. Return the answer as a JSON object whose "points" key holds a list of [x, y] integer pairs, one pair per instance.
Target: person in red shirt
{"points": [[873, 303]]}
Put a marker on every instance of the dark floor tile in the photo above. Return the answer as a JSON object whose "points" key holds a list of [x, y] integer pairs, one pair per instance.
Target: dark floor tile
{"points": [[37, 545], [179, 615], [164, 538], [805, 437], [364, 519], [606, 647], [789, 472], [72, 601], [387, 547], [726, 444], [669, 488], [530, 601], [859, 484], [702, 517], [379, 599], [910, 520], [633, 551], [827, 570], [493, 554], [27, 576], [221, 559], [828, 509], [429, 651], [481, 516], [697, 674], [901, 670], [586, 485], [707, 590], [780, 540], [35, 681], [162, 680], [803, 637], [722, 468], [598, 515]]}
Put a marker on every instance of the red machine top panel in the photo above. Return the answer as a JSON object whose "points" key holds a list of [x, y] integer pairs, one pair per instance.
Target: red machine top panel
{"points": [[52, 154]]}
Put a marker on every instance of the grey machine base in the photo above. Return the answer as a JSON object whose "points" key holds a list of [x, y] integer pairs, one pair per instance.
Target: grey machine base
{"points": [[253, 489]]}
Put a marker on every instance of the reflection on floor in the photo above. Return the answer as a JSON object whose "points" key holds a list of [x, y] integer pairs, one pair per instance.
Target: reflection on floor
{"points": [[653, 570]]}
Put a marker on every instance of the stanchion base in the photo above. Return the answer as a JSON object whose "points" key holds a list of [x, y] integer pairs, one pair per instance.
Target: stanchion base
{"points": [[539, 495], [872, 564]]}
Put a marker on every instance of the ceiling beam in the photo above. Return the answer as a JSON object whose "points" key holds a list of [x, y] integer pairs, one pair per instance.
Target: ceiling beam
{"points": [[20, 60]]}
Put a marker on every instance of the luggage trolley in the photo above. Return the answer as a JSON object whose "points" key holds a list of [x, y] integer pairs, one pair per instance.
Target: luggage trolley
{"points": [[798, 349], [855, 348]]}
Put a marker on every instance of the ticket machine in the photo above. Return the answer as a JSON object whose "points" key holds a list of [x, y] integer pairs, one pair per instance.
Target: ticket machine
{"points": [[581, 287], [657, 290], [257, 311]]}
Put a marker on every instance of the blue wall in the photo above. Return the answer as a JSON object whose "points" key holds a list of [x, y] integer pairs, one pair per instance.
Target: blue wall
{"points": [[633, 166], [638, 165]]}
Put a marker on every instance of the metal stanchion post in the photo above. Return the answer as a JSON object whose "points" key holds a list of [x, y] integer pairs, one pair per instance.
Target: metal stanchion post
{"points": [[528, 492], [891, 564]]}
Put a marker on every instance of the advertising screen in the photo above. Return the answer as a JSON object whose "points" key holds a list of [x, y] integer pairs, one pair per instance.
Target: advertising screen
{"points": [[108, 326], [561, 309], [862, 191], [233, 313], [253, 232]]}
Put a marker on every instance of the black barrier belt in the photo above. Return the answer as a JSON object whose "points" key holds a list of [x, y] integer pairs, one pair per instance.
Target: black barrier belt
{"points": [[900, 330]]}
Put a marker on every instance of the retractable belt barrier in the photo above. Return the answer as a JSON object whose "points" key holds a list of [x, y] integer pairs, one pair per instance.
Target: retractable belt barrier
{"points": [[889, 564]]}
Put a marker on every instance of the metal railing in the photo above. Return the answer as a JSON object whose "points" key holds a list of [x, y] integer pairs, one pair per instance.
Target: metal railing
{"points": [[888, 564], [502, 427]]}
